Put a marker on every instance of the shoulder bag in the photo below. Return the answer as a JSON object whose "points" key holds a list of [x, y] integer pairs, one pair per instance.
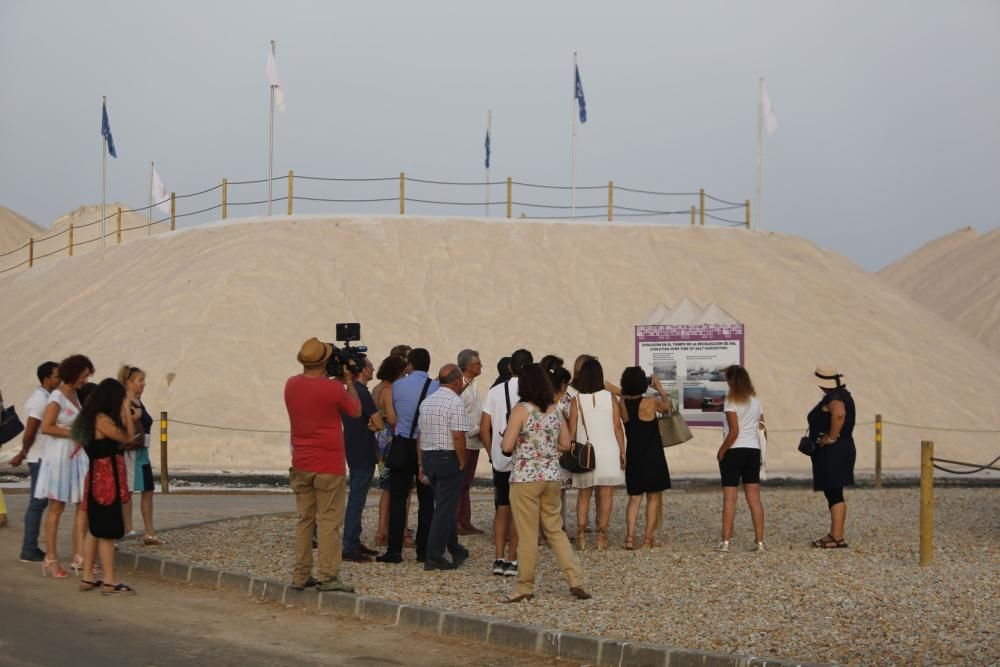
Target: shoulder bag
{"points": [[402, 452], [806, 445], [580, 457], [10, 423], [762, 441], [673, 429]]}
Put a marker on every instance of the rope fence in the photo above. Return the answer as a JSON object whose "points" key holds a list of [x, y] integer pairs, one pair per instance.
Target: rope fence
{"points": [[536, 200]]}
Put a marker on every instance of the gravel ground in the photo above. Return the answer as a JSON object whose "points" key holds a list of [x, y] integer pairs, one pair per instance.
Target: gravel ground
{"points": [[869, 604]]}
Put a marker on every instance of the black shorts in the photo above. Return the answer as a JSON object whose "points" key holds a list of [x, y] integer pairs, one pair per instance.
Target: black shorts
{"points": [[740, 463], [501, 488]]}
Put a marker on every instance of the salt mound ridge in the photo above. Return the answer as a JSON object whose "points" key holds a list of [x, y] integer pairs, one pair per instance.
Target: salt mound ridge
{"points": [[958, 277], [216, 314], [15, 230]]}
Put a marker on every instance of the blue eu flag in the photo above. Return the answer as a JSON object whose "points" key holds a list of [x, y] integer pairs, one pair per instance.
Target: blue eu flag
{"points": [[106, 131], [578, 94], [487, 149]]}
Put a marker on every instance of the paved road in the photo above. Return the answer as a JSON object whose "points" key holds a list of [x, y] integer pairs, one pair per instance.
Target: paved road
{"points": [[48, 622]]}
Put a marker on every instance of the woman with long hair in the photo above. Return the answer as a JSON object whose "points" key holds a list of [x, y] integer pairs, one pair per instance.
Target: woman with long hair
{"points": [[106, 422], [596, 417], [535, 435], [64, 464], [136, 454], [646, 471], [739, 455], [391, 369]]}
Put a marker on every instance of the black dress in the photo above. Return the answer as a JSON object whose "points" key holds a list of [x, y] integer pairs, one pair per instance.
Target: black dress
{"points": [[833, 465], [106, 489], [645, 462]]}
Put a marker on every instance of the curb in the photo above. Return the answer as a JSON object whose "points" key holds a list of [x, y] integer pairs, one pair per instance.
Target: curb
{"points": [[486, 629]]}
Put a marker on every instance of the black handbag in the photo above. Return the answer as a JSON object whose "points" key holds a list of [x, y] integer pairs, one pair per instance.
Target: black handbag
{"points": [[10, 425], [581, 455], [807, 446], [402, 452]]}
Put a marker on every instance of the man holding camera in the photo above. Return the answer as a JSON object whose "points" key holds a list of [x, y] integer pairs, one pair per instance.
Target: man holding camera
{"points": [[315, 405], [359, 441]]}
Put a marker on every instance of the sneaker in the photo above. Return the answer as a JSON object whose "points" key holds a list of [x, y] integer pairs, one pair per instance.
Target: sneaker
{"points": [[758, 546], [37, 557], [510, 568], [723, 547], [334, 585], [498, 567]]}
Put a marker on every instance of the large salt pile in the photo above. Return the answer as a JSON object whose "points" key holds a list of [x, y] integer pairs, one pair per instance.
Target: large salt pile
{"points": [[15, 230], [216, 313], [958, 277]]}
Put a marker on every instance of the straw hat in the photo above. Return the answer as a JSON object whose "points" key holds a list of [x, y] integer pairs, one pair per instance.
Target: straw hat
{"points": [[314, 352], [828, 377]]}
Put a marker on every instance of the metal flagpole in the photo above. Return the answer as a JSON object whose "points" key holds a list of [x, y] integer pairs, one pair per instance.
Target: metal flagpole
{"points": [[104, 168], [573, 166], [270, 142], [760, 145], [149, 211], [489, 124]]}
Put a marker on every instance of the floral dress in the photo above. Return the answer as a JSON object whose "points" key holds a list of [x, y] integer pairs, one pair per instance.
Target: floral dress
{"points": [[536, 455]]}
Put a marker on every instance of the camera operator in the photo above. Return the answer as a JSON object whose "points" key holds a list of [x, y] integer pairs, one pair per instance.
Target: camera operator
{"points": [[315, 405], [362, 455]]}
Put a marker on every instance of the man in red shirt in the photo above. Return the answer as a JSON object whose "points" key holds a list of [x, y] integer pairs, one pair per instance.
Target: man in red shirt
{"points": [[315, 404]]}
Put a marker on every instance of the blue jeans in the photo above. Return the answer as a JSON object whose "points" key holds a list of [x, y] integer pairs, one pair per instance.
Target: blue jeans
{"points": [[33, 516], [357, 494]]}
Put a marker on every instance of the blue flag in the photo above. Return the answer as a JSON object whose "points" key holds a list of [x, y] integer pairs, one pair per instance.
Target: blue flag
{"points": [[578, 94], [487, 148], [106, 131]]}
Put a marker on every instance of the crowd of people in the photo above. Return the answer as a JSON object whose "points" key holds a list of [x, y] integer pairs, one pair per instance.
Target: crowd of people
{"points": [[86, 445], [424, 433]]}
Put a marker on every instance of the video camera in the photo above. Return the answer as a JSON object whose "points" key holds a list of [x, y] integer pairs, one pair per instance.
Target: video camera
{"points": [[351, 358]]}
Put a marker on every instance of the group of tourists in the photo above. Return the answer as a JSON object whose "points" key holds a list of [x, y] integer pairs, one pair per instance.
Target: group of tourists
{"points": [[87, 445], [415, 431]]}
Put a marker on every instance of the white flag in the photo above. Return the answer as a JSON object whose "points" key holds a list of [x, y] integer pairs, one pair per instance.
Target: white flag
{"points": [[770, 120], [274, 80], [160, 195]]}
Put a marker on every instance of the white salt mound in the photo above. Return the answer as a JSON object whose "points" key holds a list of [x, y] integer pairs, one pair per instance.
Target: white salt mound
{"points": [[15, 230], [216, 314], [958, 277]]}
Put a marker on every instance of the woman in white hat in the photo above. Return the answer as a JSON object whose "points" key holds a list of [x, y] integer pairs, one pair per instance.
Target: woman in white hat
{"points": [[831, 426]]}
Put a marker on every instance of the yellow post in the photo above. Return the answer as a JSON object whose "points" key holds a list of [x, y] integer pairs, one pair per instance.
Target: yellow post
{"points": [[164, 477], [611, 200], [510, 193], [291, 175], [118, 226], [701, 195], [31, 253], [878, 451], [747, 207], [402, 193], [71, 239], [225, 188], [692, 216], [926, 502], [173, 211]]}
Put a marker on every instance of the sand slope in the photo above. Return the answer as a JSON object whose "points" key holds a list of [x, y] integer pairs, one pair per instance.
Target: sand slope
{"points": [[958, 277], [216, 314], [15, 230]]}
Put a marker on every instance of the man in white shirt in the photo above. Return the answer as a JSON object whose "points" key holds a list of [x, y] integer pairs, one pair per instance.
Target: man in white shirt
{"points": [[31, 451], [471, 367], [500, 400]]}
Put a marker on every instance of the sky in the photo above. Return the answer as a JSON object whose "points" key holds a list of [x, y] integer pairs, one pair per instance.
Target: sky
{"points": [[888, 112]]}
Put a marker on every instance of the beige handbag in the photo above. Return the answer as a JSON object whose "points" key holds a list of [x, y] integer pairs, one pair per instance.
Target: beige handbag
{"points": [[673, 429]]}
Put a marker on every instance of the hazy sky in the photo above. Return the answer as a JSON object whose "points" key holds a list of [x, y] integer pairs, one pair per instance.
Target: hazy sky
{"points": [[888, 111]]}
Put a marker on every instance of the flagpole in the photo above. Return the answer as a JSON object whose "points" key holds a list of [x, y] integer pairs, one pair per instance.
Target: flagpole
{"points": [[489, 125], [104, 168], [270, 142], [149, 211], [573, 160], [760, 146]]}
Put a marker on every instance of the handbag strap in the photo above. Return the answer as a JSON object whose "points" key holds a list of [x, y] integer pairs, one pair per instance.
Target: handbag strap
{"points": [[506, 395], [579, 407], [416, 413]]}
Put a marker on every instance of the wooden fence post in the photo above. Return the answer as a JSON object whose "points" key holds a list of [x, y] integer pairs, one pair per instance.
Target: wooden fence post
{"points": [[692, 216], [71, 239], [701, 195], [291, 177], [878, 451], [118, 226], [225, 201], [31, 253], [402, 193], [611, 201], [926, 502], [173, 211], [510, 191], [747, 206], [164, 475]]}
